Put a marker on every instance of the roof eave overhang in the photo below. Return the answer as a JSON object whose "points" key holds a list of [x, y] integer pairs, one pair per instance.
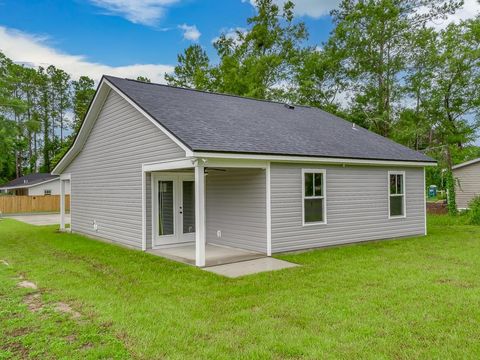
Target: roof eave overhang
{"points": [[311, 159], [467, 163]]}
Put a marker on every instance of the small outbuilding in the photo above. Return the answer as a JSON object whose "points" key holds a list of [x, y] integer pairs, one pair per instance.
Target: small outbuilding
{"points": [[34, 185], [467, 182], [199, 175]]}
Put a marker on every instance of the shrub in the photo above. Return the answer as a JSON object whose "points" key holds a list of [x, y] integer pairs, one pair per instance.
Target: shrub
{"points": [[474, 213], [451, 202]]}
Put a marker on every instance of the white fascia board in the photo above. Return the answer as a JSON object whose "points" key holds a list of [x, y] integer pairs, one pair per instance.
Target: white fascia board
{"points": [[471, 162], [169, 165], [233, 163], [185, 163], [309, 159], [172, 137]]}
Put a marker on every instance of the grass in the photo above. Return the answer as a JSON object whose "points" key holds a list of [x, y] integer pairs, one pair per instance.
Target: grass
{"points": [[407, 298]]}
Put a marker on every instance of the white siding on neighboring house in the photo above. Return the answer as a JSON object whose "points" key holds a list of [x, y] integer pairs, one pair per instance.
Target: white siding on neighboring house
{"points": [[106, 176], [357, 206], [467, 185], [53, 186], [235, 205]]}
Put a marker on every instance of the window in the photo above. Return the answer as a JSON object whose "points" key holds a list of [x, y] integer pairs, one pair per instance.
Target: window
{"points": [[314, 206], [47, 192], [396, 194]]}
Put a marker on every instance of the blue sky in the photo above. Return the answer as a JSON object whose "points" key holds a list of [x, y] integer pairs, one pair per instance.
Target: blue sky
{"points": [[126, 37]]}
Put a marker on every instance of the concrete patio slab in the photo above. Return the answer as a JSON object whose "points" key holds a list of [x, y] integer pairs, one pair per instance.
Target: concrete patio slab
{"points": [[250, 267], [214, 254], [40, 219]]}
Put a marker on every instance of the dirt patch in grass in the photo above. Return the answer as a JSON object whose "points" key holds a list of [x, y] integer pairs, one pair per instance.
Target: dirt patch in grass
{"points": [[66, 309], [87, 346], [33, 302], [27, 285], [19, 332], [4, 262], [20, 351], [71, 338]]}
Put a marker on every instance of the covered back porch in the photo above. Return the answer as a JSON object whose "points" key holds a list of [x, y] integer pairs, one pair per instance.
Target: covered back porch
{"points": [[206, 211]]}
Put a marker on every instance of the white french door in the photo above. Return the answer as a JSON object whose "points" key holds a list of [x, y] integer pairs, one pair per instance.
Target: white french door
{"points": [[173, 198]]}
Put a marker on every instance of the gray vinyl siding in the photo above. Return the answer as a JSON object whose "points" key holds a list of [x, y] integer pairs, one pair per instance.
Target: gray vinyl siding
{"points": [[236, 205], [107, 173], [357, 206], [467, 185]]}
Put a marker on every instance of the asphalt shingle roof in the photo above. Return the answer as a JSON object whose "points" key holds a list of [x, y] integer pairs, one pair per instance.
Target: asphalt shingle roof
{"points": [[214, 122], [29, 180]]}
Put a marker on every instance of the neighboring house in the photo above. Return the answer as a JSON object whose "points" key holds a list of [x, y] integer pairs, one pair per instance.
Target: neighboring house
{"points": [[156, 166], [34, 185], [467, 184]]}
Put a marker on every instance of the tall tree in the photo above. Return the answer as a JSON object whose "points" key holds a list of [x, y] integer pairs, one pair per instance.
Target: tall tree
{"points": [[45, 116], [414, 127], [318, 78], [256, 62], [375, 37], [454, 99], [83, 92], [193, 69], [60, 85]]}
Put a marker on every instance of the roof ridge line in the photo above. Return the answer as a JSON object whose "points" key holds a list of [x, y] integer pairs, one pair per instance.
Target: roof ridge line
{"points": [[214, 92]]}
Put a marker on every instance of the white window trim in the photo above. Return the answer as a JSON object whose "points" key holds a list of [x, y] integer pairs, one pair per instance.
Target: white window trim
{"points": [[404, 187], [324, 197]]}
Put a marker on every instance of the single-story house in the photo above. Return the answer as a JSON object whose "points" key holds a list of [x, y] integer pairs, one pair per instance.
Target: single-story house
{"points": [[157, 167], [467, 182], [34, 185]]}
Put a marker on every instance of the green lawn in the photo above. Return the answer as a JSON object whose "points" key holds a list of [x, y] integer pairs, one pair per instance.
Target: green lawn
{"points": [[408, 298]]}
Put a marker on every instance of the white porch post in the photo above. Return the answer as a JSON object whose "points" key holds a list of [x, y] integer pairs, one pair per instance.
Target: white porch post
{"points": [[144, 211], [269, 209], [62, 204], [200, 216]]}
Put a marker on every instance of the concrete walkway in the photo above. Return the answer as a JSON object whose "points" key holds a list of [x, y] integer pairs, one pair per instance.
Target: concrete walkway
{"points": [[40, 219], [250, 267]]}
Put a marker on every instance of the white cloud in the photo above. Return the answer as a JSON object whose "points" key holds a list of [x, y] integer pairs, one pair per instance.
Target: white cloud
{"points": [[146, 12], [319, 8], [34, 51], [311, 8], [190, 32], [470, 9], [231, 33]]}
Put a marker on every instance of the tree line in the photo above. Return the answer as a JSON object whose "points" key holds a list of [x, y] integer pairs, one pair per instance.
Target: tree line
{"points": [[40, 111], [383, 67]]}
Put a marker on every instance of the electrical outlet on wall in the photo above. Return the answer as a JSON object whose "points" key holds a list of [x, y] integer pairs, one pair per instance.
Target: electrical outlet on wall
{"points": [[95, 226], [219, 233]]}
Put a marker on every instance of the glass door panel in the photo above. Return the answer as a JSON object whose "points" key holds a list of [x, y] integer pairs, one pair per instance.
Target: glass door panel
{"points": [[188, 206], [166, 217]]}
